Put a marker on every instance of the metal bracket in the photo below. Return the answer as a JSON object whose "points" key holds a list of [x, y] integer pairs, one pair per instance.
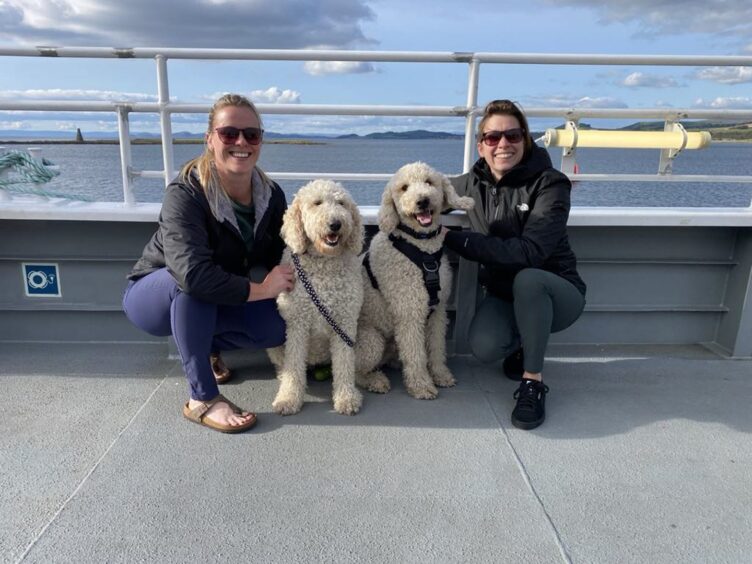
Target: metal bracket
{"points": [[666, 164], [568, 162]]}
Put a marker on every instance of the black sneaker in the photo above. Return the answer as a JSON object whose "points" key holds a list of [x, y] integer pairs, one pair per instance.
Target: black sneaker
{"points": [[530, 410], [513, 365]]}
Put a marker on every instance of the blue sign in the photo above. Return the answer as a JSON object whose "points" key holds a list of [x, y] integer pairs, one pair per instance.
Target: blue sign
{"points": [[41, 279]]}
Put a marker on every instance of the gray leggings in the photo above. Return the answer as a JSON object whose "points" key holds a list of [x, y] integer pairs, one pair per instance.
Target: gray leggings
{"points": [[544, 303]]}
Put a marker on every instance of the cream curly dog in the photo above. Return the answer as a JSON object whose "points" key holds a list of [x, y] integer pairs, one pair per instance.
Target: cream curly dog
{"points": [[408, 283], [323, 231]]}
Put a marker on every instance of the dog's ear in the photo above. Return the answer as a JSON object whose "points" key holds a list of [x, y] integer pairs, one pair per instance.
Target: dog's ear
{"points": [[452, 200], [292, 228], [388, 217], [357, 233]]}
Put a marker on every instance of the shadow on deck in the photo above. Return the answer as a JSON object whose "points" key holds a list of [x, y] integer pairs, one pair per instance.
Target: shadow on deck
{"points": [[645, 456]]}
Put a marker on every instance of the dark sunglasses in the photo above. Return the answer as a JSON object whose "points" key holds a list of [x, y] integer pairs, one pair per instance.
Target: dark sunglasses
{"points": [[493, 138], [229, 134]]}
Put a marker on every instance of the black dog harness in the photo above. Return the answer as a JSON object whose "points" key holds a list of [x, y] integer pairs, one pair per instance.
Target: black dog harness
{"points": [[428, 263]]}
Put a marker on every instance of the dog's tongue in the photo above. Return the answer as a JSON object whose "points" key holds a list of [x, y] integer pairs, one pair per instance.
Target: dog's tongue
{"points": [[424, 218]]}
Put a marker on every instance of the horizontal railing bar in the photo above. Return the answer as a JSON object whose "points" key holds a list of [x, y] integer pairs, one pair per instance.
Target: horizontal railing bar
{"points": [[378, 56], [659, 178], [646, 113], [337, 110], [573, 177], [334, 109], [290, 175], [240, 54], [615, 59], [330, 175], [373, 110]]}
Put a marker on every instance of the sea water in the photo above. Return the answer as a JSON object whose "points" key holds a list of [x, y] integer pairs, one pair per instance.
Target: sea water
{"points": [[94, 171]]}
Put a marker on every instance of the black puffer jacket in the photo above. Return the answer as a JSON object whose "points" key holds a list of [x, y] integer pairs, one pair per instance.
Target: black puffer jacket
{"points": [[526, 212], [207, 255]]}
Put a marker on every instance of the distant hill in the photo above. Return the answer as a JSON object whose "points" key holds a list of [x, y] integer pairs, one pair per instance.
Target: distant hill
{"points": [[719, 131], [414, 134]]}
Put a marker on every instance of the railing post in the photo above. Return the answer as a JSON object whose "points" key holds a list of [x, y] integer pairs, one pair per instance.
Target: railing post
{"points": [[124, 135], [472, 102], [165, 118], [467, 272]]}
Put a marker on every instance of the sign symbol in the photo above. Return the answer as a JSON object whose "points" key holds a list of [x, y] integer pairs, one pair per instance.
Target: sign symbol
{"points": [[38, 279], [41, 279]]}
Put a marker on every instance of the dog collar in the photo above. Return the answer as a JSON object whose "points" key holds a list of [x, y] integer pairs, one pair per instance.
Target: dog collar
{"points": [[416, 234]]}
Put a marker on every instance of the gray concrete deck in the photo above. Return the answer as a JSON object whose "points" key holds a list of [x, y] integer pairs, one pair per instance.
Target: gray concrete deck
{"points": [[645, 457]]}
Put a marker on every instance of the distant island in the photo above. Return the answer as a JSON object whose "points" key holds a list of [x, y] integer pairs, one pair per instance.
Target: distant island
{"points": [[415, 134], [720, 132]]}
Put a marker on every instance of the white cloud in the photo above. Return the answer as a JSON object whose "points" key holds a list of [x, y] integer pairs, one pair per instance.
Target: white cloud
{"points": [[561, 101], [275, 95], [642, 80], [67, 94], [726, 75], [725, 103], [272, 95], [722, 17], [13, 125], [185, 23], [318, 68]]}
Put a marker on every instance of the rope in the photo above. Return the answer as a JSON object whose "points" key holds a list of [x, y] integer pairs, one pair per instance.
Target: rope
{"points": [[29, 171]]}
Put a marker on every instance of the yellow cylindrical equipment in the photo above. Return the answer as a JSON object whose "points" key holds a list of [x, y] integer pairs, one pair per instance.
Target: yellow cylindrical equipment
{"points": [[626, 139]]}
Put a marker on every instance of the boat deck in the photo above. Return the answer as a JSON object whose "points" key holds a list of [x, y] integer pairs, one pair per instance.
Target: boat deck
{"points": [[645, 457]]}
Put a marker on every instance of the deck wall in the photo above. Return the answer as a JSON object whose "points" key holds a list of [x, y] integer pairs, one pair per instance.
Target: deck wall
{"points": [[646, 285]]}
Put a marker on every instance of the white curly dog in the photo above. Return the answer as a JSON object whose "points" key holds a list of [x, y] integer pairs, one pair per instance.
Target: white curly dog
{"points": [[408, 283], [324, 233]]}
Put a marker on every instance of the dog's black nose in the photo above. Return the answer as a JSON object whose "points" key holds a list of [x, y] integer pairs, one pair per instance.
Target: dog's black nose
{"points": [[335, 225], [423, 203]]}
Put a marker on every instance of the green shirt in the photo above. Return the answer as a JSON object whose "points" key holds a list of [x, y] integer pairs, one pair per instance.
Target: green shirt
{"points": [[246, 216]]}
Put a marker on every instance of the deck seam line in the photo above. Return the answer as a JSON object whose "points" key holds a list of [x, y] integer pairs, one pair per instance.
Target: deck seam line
{"points": [[92, 470], [528, 482]]}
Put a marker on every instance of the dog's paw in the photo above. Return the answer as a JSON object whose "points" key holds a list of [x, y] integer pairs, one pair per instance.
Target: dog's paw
{"points": [[286, 406], [375, 382], [423, 392], [348, 404], [443, 378], [379, 383]]}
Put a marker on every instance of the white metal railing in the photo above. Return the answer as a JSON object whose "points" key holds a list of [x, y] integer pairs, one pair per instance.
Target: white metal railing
{"points": [[165, 108]]}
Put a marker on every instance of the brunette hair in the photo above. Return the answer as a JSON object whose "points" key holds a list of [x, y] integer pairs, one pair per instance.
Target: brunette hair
{"points": [[508, 108], [204, 164]]}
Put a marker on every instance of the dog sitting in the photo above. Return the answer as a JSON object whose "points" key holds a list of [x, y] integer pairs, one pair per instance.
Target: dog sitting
{"points": [[407, 284], [324, 233]]}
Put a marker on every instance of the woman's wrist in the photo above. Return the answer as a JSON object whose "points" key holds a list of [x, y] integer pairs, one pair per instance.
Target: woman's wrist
{"points": [[256, 292]]}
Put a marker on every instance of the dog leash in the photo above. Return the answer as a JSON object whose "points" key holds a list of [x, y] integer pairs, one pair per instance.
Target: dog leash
{"points": [[317, 302]]}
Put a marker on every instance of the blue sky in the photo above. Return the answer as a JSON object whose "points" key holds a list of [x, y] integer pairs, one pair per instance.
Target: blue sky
{"points": [[662, 27]]}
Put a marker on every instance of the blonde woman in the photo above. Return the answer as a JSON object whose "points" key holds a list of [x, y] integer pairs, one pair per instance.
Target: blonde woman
{"points": [[220, 218]]}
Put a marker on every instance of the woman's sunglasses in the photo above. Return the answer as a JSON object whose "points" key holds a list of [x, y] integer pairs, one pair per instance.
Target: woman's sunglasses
{"points": [[493, 138], [229, 134]]}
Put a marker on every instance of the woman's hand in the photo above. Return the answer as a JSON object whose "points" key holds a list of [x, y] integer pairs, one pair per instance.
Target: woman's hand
{"points": [[280, 279]]}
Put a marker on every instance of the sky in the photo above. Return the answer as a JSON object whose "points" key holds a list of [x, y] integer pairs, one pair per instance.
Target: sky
{"points": [[657, 27]]}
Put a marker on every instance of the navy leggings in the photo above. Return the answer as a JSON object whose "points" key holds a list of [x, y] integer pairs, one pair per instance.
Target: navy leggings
{"points": [[156, 305], [544, 303]]}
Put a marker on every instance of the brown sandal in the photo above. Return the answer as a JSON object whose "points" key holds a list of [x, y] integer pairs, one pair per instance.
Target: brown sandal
{"points": [[222, 374], [198, 413]]}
